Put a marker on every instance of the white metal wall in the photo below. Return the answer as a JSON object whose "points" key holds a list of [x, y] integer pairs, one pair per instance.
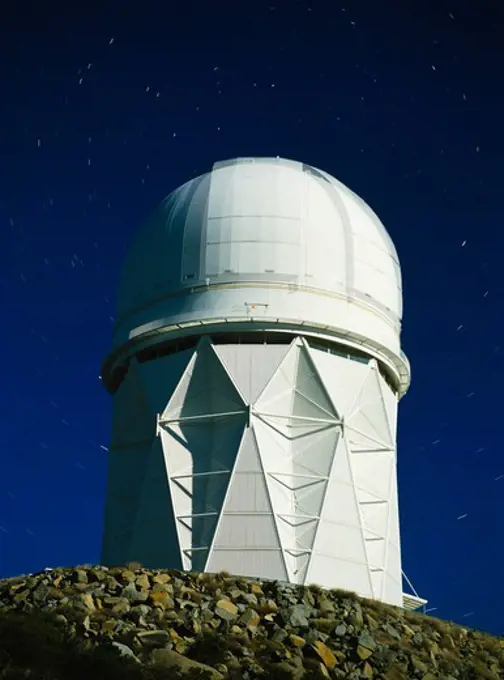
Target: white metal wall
{"points": [[266, 460]]}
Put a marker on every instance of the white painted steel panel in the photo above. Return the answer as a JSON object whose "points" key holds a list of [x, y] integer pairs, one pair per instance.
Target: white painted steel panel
{"points": [[267, 564], [251, 366]]}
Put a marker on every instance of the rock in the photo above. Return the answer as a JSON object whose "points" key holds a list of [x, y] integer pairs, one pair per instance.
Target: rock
{"points": [[143, 582], [297, 615], [140, 610], [317, 667], [125, 651], [326, 606], [363, 652], [308, 598], [371, 621], [251, 619], [297, 640], [392, 631], [226, 610], [367, 642], [367, 670], [109, 626], [88, 602], [80, 576], [154, 638], [409, 632], [111, 584], [397, 673], [250, 598], [279, 635], [283, 670], [256, 589], [162, 599], [121, 607], [356, 619], [167, 658], [162, 588], [250, 627], [161, 578], [134, 566], [417, 639], [269, 607], [419, 665], [130, 592], [61, 620], [325, 654]]}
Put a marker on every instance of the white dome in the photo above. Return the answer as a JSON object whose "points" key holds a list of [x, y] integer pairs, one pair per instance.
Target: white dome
{"points": [[263, 219], [262, 229]]}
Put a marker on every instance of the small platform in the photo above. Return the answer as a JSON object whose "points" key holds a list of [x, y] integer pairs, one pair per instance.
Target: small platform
{"points": [[412, 602]]}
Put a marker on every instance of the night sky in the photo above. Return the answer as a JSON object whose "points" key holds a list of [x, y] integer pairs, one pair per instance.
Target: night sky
{"points": [[104, 111]]}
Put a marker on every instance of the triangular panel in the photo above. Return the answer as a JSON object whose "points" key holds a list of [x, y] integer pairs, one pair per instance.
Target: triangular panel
{"points": [[294, 428], [200, 458], [308, 500], [375, 518], [294, 482], [133, 421], [247, 517], [392, 590], [310, 386], [360, 442], [369, 415], [205, 389], [342, 378], [303, 407], [297, 565], [274, 449], [314, 454], [372, 473], [247, 491], [154, 542], [393, 530], [391, 403], [248, 459], [295, 401], [127, 470], [377, 578], [376, 552], [251, 366], [341, 505], [161, 376], [296, 521], [305, 535], [280, 385]]}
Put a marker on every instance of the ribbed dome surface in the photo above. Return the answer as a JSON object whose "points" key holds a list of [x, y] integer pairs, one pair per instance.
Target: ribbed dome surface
{"points": [[264, 220]]}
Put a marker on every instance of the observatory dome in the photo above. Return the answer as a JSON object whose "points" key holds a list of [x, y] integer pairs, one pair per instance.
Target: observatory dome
{"points": [[263, 239]]}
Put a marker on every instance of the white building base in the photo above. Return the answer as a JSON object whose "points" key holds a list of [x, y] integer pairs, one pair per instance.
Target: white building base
{"points": [[263, 460]]}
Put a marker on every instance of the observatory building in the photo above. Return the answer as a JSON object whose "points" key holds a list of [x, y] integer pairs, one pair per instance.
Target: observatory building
{"points": [[256, 371]]}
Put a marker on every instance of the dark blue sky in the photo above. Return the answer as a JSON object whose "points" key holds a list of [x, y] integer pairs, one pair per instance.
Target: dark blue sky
{"points": [[104, 111]]}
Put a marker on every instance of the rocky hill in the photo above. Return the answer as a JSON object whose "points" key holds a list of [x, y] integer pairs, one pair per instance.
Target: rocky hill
{"points": [[134, 623]]}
